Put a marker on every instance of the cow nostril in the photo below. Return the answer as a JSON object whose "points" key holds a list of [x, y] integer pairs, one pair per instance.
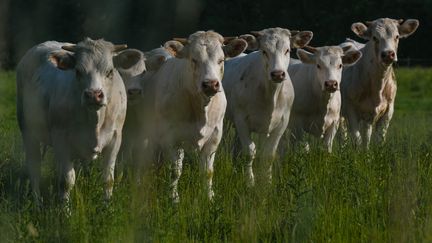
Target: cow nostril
{"points": [[331, 84], [99, 94], [392, 54]]}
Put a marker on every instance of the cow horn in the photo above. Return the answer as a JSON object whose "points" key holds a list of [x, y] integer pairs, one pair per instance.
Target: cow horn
{"points": [[400, 21], [70, 48], [118, 48], [181, 40], [294, 32], [368, 23], [228, 39], [310, 49]]}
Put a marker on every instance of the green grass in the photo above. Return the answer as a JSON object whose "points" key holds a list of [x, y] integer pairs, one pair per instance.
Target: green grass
{"points": [[383, 195]]}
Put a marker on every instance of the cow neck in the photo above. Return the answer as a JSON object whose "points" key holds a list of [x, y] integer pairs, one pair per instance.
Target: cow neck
{"points": [[377, 74], [95, 120], [323, 97]]}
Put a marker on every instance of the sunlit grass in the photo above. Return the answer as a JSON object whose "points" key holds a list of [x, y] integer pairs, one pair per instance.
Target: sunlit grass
{"points": [[383, 195]]}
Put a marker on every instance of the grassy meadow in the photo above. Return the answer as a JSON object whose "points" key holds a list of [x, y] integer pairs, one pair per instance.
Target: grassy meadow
{"points": [[383, 195]]}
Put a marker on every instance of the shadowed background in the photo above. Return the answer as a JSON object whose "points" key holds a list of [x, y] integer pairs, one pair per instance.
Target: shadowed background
{"points": [[148, 24]]}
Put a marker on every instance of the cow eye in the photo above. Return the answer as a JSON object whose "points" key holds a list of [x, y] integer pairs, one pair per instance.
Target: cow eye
{"points": [[340, 66], [397, 37], [318, 66], [195, 61], [220, 61], [375, 39], [265, 53], [287, 51], [110, 73]]}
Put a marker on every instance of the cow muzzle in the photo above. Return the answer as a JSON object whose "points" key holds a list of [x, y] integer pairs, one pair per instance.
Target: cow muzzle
{"points": [[134, 95], [388, 57], [94, 97], [278, 76], [210, 87], [330, 86]]}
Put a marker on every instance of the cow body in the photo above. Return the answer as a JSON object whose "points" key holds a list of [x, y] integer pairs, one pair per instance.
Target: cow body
{"points": [[260, 93], [74, 101], [369, 87]]}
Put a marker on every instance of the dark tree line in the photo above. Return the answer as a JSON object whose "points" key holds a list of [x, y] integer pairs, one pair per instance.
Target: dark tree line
{"points": [[148, 24]]}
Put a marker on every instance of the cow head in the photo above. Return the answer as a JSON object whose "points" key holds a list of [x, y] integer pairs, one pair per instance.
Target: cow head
{"points": [[130, 64], [205, 52], [328, 62], [275, 46], [94, 63], [385, 34]]}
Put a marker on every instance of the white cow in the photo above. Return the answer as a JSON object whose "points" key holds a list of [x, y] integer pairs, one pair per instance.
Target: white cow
{"points": [[316, 80], [189, 102], [260, 93], [132, 76], [72, 98], [369, 87]]}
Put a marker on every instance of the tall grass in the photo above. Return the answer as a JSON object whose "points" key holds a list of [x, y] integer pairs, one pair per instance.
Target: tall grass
{"points": [[348, 196]]}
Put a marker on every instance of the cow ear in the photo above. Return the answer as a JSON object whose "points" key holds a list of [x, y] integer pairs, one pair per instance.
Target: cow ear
{"points": [[155, 62], [176, 48], [127, 58], [408, 27], [351, 57], [306, 57], [252, 42], [62, 60], [235, 47], [361, 30], [301, 39]]}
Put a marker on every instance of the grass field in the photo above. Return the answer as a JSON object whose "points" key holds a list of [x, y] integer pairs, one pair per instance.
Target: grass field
{"points": [[384, 195]]}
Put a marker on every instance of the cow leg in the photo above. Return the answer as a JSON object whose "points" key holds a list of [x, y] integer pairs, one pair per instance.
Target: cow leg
{"points": [[248, 146], [343, 131], [109, 160], [66, 168], [124, 156], [33, 162], [298, 139], [207, 158], [383, 124], [329, 135], [176, 158], [270, 146], [366, 134], [143, 158], [354, 126]]}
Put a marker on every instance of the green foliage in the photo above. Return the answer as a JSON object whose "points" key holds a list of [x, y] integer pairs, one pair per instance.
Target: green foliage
{"points": [[383, 195]]}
